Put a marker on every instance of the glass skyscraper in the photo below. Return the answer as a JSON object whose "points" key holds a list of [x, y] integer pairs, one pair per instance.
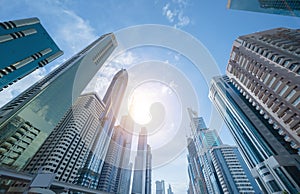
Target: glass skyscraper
{"points": [[142, 167], [281, 7], [91, 172], [24, 46], [273, 162], [38, 110], [260, 100], [214, 171]]}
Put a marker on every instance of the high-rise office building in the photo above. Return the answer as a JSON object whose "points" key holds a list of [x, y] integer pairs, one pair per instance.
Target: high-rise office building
{"points": [[126, 166], [196, 177], [91, 172], [281, 7], [24, 46], [117, 160], [108, 177], [260, 104], [169, 191], [142, 167], [204, 172], [63, 152], [160, 187], [44, 104], [231, 171], [148, 171]]}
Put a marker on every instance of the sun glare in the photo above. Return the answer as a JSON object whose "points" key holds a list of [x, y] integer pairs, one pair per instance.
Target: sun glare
{"points": [[139, 107]]}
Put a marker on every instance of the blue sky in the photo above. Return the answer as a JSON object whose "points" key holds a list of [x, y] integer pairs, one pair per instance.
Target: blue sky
{"points": [[74, 24]]}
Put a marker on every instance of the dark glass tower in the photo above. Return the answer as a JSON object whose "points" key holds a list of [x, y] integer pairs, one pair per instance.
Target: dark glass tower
{"points": [[24, 46], [43, 105]]}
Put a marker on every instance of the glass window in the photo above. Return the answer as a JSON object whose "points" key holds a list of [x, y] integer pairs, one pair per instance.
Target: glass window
{"points": [[293, 66], [284, 89], [286, 62], [277, 85], [296, 102], [272, 81], [290, 95], [273, 186]]}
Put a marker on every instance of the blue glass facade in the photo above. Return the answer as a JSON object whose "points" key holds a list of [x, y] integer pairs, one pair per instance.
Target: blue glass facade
{"points": [[262, 147], [281, 7], [44, 104], [24, 46]]}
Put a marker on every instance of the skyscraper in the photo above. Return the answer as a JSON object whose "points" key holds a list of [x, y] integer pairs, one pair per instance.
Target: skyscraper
{"points": [[142, 166], [170, 190], [160, 187], [24, 46], [117, 158], [64, 151], [231, 171], [205, 165], [260, 104], [126, 167], [91, 172], [44, 104], [281, 7]]}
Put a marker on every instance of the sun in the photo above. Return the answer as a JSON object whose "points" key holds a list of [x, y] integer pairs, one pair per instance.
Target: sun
{"points": [[139, 105]]}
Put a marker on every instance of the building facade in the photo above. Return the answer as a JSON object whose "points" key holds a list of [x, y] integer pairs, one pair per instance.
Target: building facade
{"points": [[160, 187], [205, 167], [91, 172], [65, 149], [45, 103], [281, 7], [231, 170], [24, 46], [272, 160], [169, 191], [114, 174], [142, 167], [260, 100]]}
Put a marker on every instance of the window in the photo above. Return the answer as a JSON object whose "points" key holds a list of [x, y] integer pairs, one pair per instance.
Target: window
{"points": [[272, 81], [290, 95], [296, 102], [277, 85], [284, 89], [286, 62], [293, 66]]}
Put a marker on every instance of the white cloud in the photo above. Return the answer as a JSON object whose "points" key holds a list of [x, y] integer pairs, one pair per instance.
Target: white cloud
{"points": [[74, 31], [176, 14]]}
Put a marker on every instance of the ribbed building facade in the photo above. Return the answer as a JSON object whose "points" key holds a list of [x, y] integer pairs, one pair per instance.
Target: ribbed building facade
{"points": [[231, 172], [64, 151], [24, 46], [266, 67], [44, 104], [260, 101]]}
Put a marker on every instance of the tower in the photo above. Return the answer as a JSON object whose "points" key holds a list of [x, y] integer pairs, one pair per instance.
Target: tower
{"points": [[44, 104], [259, 101], [160, 187], [24, 46], [204, 172], [142, 166], [90, 174]]}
